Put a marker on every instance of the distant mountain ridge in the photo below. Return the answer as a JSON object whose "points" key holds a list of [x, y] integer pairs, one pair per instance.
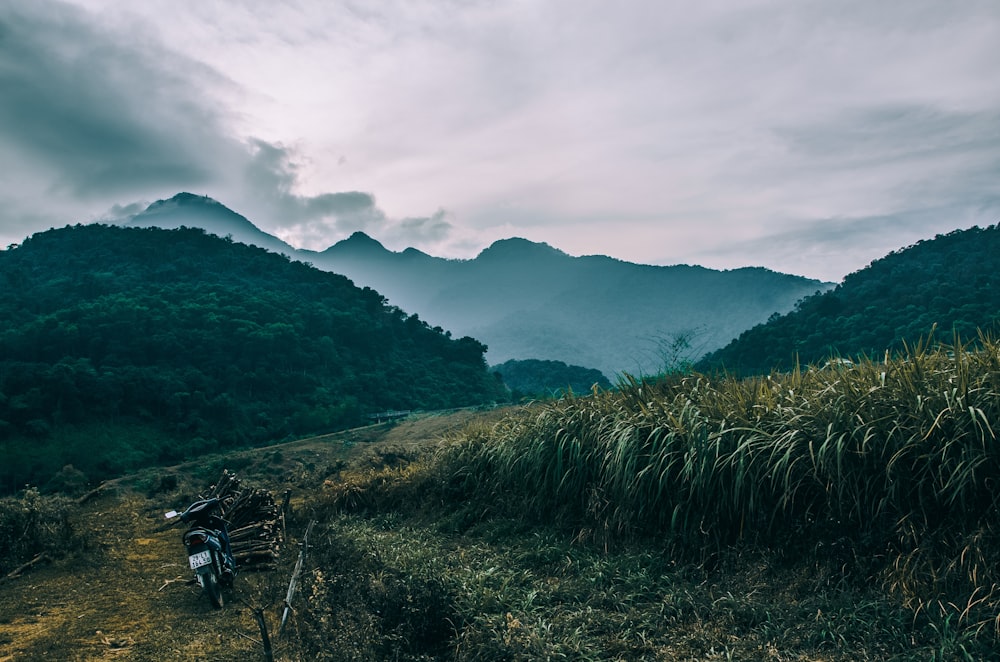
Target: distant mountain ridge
{"points": [[528, 300]]}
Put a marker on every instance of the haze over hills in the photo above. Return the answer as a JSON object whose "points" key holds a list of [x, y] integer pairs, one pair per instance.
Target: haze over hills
{"points": [[528, 300]]}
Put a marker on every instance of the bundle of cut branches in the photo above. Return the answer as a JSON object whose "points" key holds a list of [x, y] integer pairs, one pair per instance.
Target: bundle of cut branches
{"points": [[255, 527]]}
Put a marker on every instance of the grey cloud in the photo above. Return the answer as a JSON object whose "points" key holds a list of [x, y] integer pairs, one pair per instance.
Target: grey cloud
{"points": [[868, 180], [91, 116], [95, 115], [119, 212], [912, 156], [315, 221], [819, 248], [348, 204], [424, 229], [870, 136], [271, 174]]}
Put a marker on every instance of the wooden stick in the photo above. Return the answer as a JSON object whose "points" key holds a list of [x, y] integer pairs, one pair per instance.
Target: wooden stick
{"points": [[295, 578], [265, 640], [21, 568], [168, 582], [91, 494]]}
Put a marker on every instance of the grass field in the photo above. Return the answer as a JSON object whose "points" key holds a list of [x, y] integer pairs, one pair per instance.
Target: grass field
{"points": [[847, 513]]}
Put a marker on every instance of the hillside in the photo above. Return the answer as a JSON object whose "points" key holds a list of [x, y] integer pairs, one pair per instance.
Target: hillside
{"points": [[527, 300], [950, 283], [533, 378], [123, 347]]}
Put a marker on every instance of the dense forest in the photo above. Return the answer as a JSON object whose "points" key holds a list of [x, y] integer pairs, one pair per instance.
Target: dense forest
{"points": [[539, 379], [122, 347], [949, 284]]}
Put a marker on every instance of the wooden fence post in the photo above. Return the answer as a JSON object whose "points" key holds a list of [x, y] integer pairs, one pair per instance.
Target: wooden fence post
{"points": [[292, 585]]}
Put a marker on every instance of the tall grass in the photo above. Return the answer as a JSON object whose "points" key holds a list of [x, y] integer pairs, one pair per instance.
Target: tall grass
{"points": [[894, 460]]}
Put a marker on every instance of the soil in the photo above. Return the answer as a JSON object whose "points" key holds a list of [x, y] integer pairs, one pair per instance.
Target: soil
{"points": [[129, 594]]}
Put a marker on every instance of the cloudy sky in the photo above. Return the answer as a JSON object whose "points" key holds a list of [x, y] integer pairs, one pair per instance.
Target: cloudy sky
{"points": [[807, 136]]}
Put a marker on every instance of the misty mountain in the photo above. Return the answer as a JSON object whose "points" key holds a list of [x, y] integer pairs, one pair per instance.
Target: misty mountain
{"points": [[200, 211], [528, 300], [949, 284]]}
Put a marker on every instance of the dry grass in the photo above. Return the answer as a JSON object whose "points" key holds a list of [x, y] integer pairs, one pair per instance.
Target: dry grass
{"points": [[691, 519], [895, 463]]}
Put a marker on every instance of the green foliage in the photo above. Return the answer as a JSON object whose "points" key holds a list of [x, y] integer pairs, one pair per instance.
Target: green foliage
{"points": [[210, 343], [534, 378], [950, 282]]}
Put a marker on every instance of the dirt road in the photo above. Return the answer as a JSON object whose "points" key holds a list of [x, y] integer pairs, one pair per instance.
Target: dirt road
{"points": [[127, 596]]}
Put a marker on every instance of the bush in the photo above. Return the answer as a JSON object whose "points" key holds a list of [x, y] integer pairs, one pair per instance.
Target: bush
{"points": [[31, 524], [361, 604], [69, 480]]}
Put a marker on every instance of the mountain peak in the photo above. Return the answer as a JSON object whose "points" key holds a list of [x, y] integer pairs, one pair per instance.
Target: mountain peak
{"points": [[184, 199], [201, 211], [359, 242], [359, 238], [519, 248]]}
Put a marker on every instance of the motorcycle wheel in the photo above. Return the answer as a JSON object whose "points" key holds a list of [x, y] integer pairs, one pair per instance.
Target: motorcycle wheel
{"points": [[213, 590]]}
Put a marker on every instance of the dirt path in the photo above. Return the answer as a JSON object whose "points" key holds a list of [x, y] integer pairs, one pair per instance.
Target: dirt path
{"points": [[127, 597]]}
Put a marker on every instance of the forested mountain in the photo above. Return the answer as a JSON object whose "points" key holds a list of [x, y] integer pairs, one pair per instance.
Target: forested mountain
{"points": [[534, 378], [123, 346], [528, 300], [950, 282]]}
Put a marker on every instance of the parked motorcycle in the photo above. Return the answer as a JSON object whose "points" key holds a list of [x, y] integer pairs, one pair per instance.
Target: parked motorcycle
{"points": [[207, 543]]}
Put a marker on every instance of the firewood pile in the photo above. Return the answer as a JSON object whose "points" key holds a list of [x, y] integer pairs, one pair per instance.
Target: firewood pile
{"points": [[255, 522]]}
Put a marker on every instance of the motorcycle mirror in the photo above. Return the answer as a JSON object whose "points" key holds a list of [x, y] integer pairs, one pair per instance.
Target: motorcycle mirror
{"points": [[171, 514]]}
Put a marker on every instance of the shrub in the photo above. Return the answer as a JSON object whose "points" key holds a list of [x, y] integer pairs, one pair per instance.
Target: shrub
{"points": [[31, 524], [361, 605], [69, 481]]}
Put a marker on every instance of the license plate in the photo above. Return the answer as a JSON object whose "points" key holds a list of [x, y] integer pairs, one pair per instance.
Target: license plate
{"points": [[199, 559]]}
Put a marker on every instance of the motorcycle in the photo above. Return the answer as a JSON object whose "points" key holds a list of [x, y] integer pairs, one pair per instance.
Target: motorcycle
{"points": [[207, 543]]}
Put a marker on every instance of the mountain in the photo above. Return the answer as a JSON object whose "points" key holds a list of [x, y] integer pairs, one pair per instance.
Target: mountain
{"points": [[528, 300], [123, 346], [949, 284], [200, 211]]}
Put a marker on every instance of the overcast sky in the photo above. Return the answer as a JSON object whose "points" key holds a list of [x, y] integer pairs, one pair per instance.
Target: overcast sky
{"points": [[810, 137]]}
